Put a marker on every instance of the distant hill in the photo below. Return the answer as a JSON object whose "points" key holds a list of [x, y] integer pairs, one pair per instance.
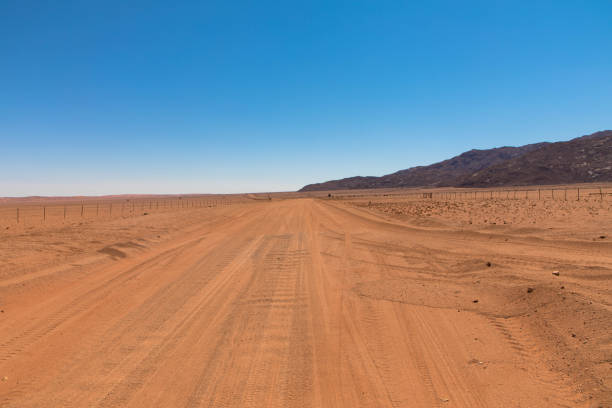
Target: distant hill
{"points": [[581, 160], [584, 159]]}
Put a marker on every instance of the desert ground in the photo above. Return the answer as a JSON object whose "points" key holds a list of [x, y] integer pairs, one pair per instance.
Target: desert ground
{"points": [[343, 299]]}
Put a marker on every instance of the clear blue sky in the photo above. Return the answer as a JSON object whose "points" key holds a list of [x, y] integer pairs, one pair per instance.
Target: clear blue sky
{"points": [[154, 97]]}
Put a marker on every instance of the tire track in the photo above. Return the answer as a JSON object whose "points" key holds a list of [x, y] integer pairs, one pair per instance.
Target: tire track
{"points": [[128, 326], [25, 339], [528, 353], [78, 306], [134, 380], [268, 331]]}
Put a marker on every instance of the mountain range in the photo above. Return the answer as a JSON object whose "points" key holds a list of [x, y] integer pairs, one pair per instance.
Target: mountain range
{"points": [[580, 160]]}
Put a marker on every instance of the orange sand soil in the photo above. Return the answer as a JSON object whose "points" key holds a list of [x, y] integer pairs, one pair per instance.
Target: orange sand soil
{"points": [[373, 302]]}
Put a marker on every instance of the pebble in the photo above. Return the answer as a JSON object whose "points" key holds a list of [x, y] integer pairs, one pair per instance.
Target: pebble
{"points": [[556, 273]]}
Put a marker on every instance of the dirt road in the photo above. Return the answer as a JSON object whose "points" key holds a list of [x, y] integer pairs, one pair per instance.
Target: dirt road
{"points": [[302, 303]]}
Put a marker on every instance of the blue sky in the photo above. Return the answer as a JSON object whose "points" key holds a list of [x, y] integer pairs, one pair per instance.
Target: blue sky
{"points": [[197, 97]]}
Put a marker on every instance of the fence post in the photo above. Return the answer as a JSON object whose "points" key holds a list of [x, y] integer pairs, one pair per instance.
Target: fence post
{"points": [[538, 193], [552, 193], [17, 215], [600, 194], [64, 212], [565, 194], [578, 193], [44, 213], [81, 210]]}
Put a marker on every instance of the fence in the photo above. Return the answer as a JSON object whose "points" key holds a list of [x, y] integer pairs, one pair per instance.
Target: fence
{"points": [[35, 214], [548, 193]]}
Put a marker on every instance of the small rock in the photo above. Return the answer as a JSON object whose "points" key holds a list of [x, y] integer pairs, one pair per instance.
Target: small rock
{"points": [[562, 287], [602, 237], [573, 334], [475, 301], [529, 290], [489, 264], [556, 273]]}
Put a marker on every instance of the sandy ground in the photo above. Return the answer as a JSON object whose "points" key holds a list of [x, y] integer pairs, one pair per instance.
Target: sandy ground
{"points": [[309, 302]]}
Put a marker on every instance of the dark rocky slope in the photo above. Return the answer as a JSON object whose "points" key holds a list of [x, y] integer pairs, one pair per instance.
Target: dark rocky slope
{"points": [[584, 159]]}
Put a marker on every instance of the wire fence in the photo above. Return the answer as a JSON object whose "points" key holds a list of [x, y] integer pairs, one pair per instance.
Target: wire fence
{"points": [[549, 193], [53, 213]]}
